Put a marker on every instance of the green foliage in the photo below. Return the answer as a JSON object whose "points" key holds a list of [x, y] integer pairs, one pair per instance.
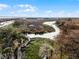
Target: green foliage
{"points": [[14, 32], [32, 52], [17, 24]]}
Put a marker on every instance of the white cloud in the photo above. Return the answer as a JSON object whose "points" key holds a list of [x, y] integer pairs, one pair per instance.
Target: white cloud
{"points": [[67, 14], [26, 8], [3, 6], [49, 11], [24, 5], [30, 10], [61, 13]]}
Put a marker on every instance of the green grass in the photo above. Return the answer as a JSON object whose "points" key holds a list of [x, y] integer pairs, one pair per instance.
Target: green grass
{"points": [[33, 50]]}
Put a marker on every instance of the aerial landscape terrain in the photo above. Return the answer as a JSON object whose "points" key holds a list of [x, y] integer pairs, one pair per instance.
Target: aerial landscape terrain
{"points": [[28, 38], [39, 29]]}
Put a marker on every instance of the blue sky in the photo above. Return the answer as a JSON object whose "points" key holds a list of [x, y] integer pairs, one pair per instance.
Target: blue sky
{"points": [[40, 8]]}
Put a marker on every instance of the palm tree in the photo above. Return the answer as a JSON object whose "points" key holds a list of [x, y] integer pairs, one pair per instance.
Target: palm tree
{"points": [[46, 51]]}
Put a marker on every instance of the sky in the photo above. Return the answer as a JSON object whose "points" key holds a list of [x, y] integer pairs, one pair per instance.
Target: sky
{"points": [[39, 8]]}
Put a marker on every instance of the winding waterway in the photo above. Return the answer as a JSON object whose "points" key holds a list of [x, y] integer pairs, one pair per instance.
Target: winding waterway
{"points": [[50, 35]]}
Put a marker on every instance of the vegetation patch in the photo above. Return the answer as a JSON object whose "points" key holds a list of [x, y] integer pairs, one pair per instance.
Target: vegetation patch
{"points": [[32, 52]]}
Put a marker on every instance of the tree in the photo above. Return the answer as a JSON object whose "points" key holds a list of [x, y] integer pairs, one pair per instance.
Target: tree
{"points": [[11, 42], [46, 51]]}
